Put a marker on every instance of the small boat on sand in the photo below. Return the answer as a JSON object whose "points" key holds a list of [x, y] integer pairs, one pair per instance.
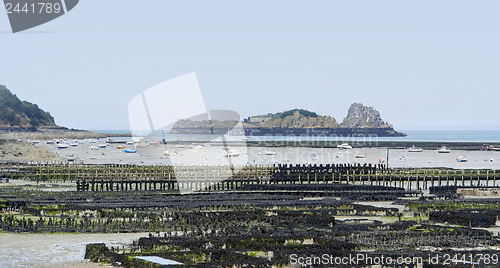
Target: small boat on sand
{"points": [[493, 148], [62, 146], [414, 149], [462, 159], [129, 151], [443, 150], [360, 155], [36, 142], [269, 153], [231, 153], [120, 147], [344, 146], [102, 146]]}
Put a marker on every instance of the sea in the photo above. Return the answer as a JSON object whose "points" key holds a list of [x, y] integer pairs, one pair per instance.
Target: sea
{"points": [[486, 136]]}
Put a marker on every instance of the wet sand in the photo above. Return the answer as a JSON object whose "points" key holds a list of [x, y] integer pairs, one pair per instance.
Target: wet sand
{"points": [[197, 154], [55, 250], [67, 250]]}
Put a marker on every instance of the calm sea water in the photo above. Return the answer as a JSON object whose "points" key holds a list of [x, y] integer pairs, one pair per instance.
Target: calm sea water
{"points": [[488, 136]]}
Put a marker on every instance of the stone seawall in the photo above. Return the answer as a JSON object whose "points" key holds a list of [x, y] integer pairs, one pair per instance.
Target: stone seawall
{"points": [[345, 132]]}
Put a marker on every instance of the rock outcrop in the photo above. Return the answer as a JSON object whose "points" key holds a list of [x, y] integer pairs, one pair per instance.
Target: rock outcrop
{"points": [[360, 116], [360, 121]]}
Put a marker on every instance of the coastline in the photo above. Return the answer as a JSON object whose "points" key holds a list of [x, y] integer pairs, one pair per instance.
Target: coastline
{"points": [[49, 133]]}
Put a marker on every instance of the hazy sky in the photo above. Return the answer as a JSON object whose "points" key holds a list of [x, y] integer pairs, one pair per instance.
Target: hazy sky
{"points": [[422, 64]]}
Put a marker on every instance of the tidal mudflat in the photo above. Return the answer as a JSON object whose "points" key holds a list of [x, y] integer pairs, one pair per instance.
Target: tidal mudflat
{"points": [[55, 250]]}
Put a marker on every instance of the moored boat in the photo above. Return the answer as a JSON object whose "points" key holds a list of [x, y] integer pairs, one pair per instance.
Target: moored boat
{"points": [[231, 153], [360, 155], [345, 146], [168, 153], [129, 151], [62, 146], [414, 149], [493, 148], [269, 153], [443, 150], [101, 145], [462, 159], [120, 147]]}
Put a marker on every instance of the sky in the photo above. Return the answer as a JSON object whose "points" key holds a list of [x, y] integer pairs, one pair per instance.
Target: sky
{"points": [[421, 64]]}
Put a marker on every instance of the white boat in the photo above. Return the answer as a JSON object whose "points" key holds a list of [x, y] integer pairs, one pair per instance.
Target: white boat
{"points": [[74, 144], [231, 153], [360, 155], [414, 149], [130, 142], [36, 142], [443, 150], [94, 148], [269, 153], [167, 153], [102, 146], [137, 139], [492, 148], [344, 146], [462, 159], [62, 146], [246, 138], [92, 141]]}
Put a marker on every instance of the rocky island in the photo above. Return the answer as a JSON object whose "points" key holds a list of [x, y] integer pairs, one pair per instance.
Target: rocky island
{"points": [[360, 121]]}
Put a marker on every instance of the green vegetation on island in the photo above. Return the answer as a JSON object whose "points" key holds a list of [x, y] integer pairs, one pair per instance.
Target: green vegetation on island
{"points": [[296, 118]]}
